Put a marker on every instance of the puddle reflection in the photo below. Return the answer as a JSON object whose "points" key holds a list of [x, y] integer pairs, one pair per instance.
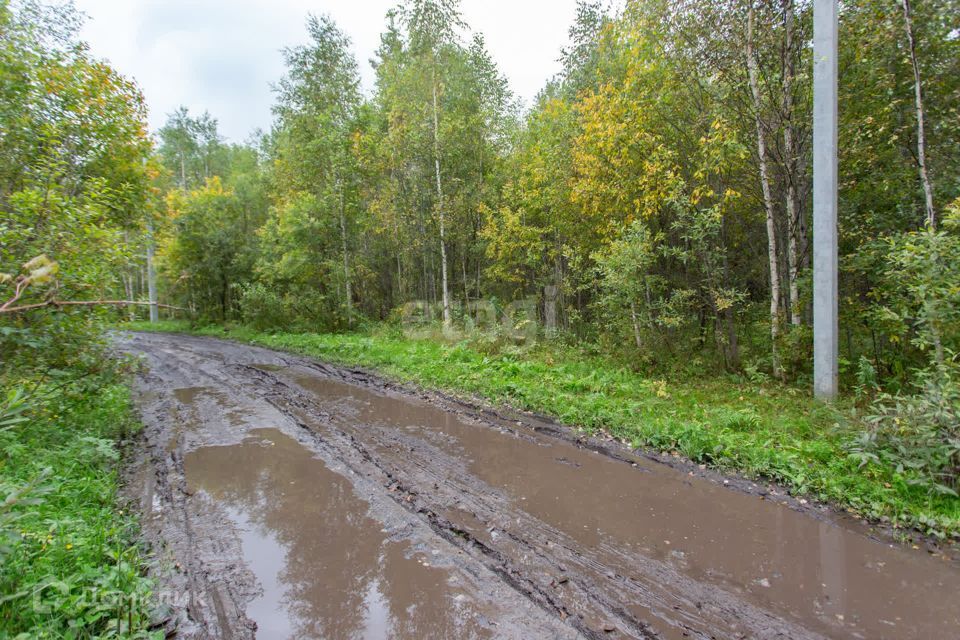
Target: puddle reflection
{"points": [[829, 577], [326, 568]]}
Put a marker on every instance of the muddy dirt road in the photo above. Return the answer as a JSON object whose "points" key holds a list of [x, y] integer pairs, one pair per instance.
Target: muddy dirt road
{"points": [[290, 499]]}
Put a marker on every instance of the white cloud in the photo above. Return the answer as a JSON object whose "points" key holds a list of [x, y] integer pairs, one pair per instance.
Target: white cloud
{"points": [[222, 55]]}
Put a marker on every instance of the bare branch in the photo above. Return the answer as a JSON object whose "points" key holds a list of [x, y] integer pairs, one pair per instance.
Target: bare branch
{"points": [[82, 303]]}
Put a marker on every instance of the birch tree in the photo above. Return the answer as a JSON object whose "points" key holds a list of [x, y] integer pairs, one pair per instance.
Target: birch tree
{"points": [[318, 101], [773, 259], [432, 27], [918, 100]]}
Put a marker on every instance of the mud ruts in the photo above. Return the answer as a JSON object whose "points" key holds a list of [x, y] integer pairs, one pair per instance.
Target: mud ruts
{"points": [[289, 498]]}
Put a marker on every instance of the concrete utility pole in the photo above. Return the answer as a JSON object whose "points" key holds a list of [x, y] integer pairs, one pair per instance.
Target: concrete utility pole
{"points": [[825, 290]]}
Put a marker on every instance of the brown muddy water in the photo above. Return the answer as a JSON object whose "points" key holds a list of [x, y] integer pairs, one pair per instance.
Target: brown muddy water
{"points": [[291, 499], [326, 567]]}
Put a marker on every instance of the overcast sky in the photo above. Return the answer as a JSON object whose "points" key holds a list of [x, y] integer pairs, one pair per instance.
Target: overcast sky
{"points": [[222, 55]]}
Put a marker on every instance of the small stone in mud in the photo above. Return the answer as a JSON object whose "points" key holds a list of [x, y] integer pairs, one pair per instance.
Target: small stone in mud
{"points": [[563, 580], [609, 627]]}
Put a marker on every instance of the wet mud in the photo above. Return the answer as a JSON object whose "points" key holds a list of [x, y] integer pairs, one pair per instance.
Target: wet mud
{"points": [[286, 498]]}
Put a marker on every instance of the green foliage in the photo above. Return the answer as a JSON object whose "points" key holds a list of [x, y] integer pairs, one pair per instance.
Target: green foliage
{"points": [[265, 308], [922, 287], [68, 563], [917, 434], [72, 178], [867, 381], [191, 148], [73, 188], [211, 253], [262, 307], [631, 187]]}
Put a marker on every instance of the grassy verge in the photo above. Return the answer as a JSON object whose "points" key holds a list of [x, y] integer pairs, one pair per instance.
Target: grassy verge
{"points": [[69, 567], [767, 431]]}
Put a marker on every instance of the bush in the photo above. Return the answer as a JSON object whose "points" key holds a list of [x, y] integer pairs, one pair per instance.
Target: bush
{"points": [[918, 435], [304, 308], [68, 565], [261, 307]]}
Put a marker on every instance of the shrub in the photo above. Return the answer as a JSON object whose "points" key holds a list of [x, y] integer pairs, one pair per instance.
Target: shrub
{"points": [[918, 435], [261, 307], [68, 565], [264, 309]]}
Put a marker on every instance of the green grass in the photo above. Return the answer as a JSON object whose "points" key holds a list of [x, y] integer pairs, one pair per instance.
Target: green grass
{"points": [[69, 567], [760, 430]]}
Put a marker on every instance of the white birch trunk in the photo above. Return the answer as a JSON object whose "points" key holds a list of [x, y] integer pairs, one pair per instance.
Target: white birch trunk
{"points": [[793, 215], [767, 198], [921, 137], [440, 211], [348, 294], [151, 273]]}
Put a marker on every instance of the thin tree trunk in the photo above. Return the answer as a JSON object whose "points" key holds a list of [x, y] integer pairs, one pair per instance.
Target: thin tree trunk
{"points": [[767, 200], [128, 290], [401, 290], [793, 222], [426, 258], [183, 172], [921, 140], [636, 324], [443, 240], [733, 344], [348, 291], [151, 273], [466, 284], [732, 353]]}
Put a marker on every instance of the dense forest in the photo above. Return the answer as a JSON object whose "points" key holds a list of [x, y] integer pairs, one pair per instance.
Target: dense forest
{"points": [[659, 187]]}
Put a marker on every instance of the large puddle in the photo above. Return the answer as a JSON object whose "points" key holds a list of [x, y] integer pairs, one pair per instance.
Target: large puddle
{"points": [[326, 568], [822, 575]]}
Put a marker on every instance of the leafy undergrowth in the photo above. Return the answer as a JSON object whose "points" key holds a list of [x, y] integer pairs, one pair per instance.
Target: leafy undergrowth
{"points": [[765, 431], [69, 567]]}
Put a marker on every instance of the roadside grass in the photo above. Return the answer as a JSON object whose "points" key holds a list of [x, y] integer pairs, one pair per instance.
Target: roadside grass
{"points": [[69, 564], [765, 431]]}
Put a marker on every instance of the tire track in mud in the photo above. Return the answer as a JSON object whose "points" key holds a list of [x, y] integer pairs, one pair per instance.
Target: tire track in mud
{"points": [[594, 540], [399, 487], [201, 566], [538, 560]]}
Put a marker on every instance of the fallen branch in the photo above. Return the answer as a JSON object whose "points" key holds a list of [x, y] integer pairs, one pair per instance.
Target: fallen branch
{"points": [[85, 303]]}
